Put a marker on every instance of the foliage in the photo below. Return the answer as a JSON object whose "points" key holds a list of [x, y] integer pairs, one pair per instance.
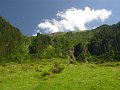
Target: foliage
{"points": [[57, 68], [106, 43], [38, 45], [10, 39], [44, 74], [102, 42]]}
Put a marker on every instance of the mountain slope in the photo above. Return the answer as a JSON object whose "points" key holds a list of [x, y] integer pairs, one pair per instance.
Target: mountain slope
{"points": [[92, 45], [10, 38]]}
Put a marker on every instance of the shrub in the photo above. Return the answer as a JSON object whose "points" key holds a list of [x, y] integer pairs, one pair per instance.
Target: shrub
{"points": [[37, 69], [72, 62], [45, 73], [57, 68]]}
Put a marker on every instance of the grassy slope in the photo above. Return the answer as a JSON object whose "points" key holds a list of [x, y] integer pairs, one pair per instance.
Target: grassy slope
{"points": [[78, 76]]}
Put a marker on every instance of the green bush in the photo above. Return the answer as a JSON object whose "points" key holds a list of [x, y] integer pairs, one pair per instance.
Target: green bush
{"points": [[57, 68], [44, 73], [50, 52], [72, 62]]}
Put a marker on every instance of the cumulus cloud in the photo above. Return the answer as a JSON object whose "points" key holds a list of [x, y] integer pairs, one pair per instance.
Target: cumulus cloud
{"points": [[72, 19]]}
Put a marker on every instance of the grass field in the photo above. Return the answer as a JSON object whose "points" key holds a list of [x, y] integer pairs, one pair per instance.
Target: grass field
{"points": [[38, 75]]}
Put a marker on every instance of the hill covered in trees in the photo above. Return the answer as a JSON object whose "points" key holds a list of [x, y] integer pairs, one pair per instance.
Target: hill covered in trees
{"points": [[102, 43]]}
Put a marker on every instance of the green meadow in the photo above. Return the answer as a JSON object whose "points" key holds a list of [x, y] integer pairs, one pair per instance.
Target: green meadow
{"points": [[59, 74]]}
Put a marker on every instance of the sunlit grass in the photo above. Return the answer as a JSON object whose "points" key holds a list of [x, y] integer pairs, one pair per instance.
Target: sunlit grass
{"points": [[78, 76]]}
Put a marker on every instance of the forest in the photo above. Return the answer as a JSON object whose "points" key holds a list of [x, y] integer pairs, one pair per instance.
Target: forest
{"points": [[97, 45]]}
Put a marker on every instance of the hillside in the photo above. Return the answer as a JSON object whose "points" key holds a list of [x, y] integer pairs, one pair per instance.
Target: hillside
{"points": [[92, 45], [10, 38]]}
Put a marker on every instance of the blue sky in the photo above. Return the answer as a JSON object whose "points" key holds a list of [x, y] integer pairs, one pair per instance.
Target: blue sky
{"points": [[28, 14]]}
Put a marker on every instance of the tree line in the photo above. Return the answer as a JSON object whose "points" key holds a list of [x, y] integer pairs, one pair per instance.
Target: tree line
{"points": [[102, 43]]}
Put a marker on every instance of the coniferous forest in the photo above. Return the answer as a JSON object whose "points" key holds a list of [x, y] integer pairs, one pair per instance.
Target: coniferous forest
{"points": [[101, 44]]}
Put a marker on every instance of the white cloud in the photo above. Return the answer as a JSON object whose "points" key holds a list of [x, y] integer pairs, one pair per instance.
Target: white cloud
{"points": [[72, 19]]}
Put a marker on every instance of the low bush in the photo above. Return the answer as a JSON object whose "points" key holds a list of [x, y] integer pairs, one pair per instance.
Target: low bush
{"points": [[44, 73], [57, 68], [72, 62]]}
